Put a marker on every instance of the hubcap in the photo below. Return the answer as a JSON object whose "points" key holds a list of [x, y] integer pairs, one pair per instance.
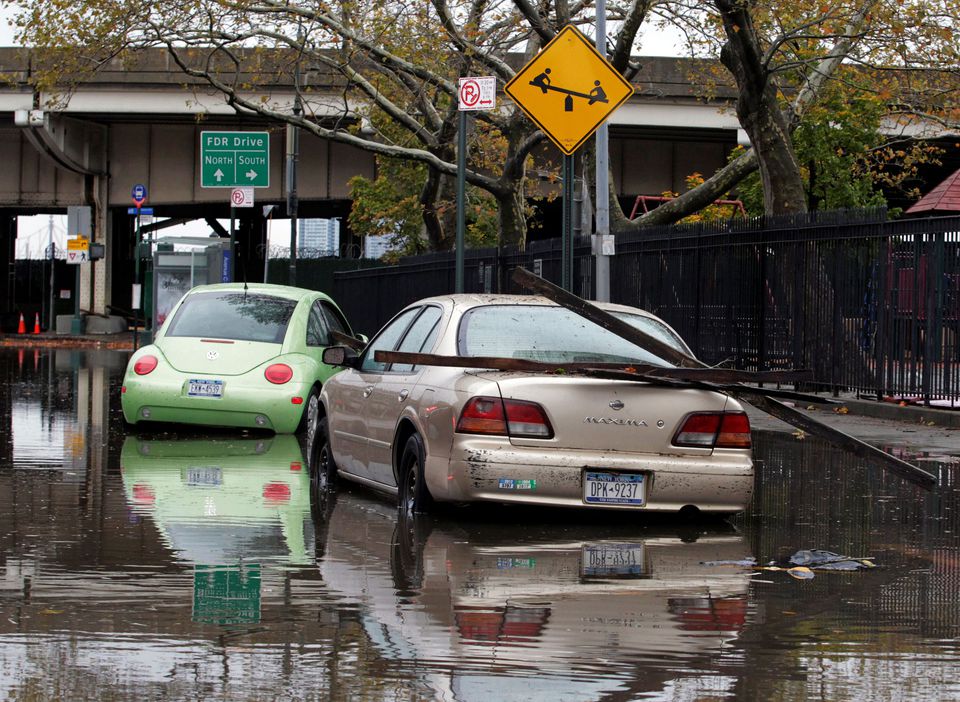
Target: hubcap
{"points": [[411, 488], [313, 412]]}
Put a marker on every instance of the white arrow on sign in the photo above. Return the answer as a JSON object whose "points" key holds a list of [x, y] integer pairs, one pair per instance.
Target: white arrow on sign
{"points": [[251, 174], [218, 174]]}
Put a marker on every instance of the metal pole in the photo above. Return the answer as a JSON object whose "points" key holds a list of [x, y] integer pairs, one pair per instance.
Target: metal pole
{"points": [[566, 241], [461, 198], [136, 280], [602, 179], [233, 241], [293, 152], [53, 261]]}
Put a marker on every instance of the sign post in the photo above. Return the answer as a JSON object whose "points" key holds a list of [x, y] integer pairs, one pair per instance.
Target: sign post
{"points": [[475, 94], [139, 195], [568, 89]]}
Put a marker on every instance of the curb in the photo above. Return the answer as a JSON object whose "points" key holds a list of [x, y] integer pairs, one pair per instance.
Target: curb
{"points": [[122, 342]]}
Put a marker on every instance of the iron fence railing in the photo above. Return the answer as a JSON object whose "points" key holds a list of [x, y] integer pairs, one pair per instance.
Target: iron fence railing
{"points": [[870, 305]]}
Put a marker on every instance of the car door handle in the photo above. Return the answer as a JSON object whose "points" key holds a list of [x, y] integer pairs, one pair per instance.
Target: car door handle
{"points": [[402, 395], [367, 391]]}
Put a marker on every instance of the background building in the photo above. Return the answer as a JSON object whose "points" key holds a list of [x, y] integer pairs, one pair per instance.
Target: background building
{"points": [[318, 237]]}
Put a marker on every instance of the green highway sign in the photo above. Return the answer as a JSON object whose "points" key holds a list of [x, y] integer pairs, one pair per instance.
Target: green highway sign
{"points": [[234, 159]]}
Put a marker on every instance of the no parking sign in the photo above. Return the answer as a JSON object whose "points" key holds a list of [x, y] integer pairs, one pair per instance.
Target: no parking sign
{"points": [[478, 93]]}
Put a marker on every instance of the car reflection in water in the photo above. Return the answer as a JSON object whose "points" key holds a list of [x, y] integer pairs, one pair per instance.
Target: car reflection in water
{"points": [[486, 608], [227, 505]]}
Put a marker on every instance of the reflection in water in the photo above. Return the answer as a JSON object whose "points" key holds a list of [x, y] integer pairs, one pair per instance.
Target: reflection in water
{"points": [[51, 399], [226, 505], [222, 500], [485, 606], [165, 568]]}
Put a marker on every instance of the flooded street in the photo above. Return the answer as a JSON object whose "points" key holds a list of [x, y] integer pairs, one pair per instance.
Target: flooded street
{"points": [[181, 566]]}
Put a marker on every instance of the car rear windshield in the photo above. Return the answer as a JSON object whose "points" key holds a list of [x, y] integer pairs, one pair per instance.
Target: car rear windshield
{"points": [[553, 335], [233, 315]]}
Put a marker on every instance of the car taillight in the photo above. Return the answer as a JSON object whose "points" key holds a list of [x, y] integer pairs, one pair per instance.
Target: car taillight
{"points": [[527, 419], [491, 415], [715, 430], [276, 493], [734, 431], [278, 373], [144, 365]]}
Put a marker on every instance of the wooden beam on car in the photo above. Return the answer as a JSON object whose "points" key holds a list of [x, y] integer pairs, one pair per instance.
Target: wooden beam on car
{"points": [[905, 470], [604, 319], [759, 398], [346, 340], [624, 371]]}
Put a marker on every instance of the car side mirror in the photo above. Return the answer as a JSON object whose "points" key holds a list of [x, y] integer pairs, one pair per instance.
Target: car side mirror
{"points": [[339, 356]]}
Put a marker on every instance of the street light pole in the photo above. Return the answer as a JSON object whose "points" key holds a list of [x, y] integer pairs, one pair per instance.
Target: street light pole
{"points": [[602, 174], [293, 152]]}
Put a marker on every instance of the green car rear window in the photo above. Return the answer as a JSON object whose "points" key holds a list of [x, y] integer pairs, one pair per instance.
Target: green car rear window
{"points": [[233, 315]]}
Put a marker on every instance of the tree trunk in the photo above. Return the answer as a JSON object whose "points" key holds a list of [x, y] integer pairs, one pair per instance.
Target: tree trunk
{"points": [[759, 113], [513, 219]]}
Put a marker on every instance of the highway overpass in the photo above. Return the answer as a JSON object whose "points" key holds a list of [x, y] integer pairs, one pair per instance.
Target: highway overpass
{"points": [[141, 123]]}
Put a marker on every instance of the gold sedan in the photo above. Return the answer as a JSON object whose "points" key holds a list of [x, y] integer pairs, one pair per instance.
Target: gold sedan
{"points": [[431, 433]]}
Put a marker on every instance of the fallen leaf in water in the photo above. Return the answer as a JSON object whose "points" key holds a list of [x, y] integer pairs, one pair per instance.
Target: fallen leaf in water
{"points": [[801, 573]]}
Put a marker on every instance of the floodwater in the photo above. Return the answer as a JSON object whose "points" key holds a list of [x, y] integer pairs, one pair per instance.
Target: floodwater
{"points": [[175, 567]]}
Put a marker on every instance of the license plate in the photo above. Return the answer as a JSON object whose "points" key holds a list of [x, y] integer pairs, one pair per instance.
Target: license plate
{"points": [[607, 488], [612, 561], [204, 475], [205, 388]]}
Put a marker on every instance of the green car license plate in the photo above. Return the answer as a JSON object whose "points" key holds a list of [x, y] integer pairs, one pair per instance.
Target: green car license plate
{"points": [[205, 388], [204, 476], [609, 488]]}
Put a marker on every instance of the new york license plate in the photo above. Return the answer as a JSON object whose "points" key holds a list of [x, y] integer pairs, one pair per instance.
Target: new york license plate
{"points": [[612, 561], [205, 388], [204, 475], [610, 488]]}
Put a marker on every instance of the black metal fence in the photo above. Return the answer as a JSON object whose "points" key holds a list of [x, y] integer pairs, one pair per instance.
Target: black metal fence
{"points": [[870, 305], [34, 290]]}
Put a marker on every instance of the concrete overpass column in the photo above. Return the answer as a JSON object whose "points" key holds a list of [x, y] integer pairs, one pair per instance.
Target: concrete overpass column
{"points": [[101, 234]]}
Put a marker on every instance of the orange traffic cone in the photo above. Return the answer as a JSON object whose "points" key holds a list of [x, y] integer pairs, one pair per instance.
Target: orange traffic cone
{"points": [[36, 323], [22, 329]]}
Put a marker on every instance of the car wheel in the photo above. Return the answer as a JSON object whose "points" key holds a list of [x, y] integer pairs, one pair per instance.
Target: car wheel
{"points": [[310, 417], [323, 471], [407, 553], [413, 495]]}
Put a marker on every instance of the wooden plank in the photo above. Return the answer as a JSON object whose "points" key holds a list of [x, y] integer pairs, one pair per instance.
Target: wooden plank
{"points": [[342, 339], [604, 319], [789, 415], [618, 371], [759, 398]]}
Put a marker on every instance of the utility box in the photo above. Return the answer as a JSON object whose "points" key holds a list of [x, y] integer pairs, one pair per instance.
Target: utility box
{"points": [[176, 272]]}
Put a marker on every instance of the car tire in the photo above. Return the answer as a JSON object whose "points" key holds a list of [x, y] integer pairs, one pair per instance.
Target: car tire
{"points": [[323, 471], [407, 553], [414, 497], [310, 416]]}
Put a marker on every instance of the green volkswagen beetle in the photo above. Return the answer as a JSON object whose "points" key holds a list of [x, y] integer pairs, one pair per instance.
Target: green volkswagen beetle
{"points": [[236, 355]]}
